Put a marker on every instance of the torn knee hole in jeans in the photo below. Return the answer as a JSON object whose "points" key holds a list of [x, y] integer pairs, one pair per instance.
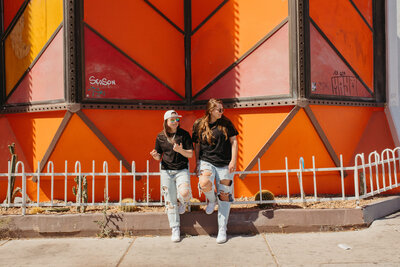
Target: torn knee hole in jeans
{"points": [[204, 181], [223, 196]]}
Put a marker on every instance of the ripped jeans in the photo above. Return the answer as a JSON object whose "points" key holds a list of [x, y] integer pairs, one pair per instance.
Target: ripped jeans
{"points": [[173, 184], [219, 174]]}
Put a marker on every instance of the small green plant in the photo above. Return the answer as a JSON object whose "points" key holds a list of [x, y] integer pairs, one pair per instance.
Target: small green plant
{"points": [[105, 229], [266, 195], [128, 208], [84, 195], [11, 192]]}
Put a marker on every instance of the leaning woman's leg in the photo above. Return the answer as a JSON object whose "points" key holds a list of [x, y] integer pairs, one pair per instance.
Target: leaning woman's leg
{"points": [[206, 181], [224, 186], [171, 202]]}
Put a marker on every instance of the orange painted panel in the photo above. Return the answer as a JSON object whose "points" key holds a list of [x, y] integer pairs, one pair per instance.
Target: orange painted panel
{"points": [[229, 34], [84, 147], [173, 10], [201, 9], [33, 29], [7, 137], [365, 7], [264, 72], [140, 32], [348, 32], [135, 149], [35, 131], [10, 9], [298, 139], [343, 127], [376, 135], [251, 136]]}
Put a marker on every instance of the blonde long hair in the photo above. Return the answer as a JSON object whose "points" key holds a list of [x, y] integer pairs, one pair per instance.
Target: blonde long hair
{"points": [[203, 129], [166, 130]]}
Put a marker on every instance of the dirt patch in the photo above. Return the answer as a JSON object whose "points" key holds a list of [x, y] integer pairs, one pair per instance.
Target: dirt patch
{"points": [[346, 204]]}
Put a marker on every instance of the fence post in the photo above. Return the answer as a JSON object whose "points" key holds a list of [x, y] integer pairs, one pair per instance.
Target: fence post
{"points": [[356, 189], [148, 180], [105, 171], [65, 182], [120, 182], [342, 176], [287, 179], [134, 180], [259, 179], [300, 177], [93, 180], [38, 185], [23, 176], [314, 179], [51, 166]]}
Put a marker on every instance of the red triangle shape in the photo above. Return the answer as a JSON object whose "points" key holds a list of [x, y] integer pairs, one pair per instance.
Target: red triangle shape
{"points": [[111, 75], [329, 74], [45, 81]]}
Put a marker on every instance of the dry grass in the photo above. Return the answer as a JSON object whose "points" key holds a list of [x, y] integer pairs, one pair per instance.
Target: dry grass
{"points": [[115, 209]]}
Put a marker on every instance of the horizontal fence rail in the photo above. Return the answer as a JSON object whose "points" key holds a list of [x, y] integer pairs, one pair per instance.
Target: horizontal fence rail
{"points": [[377, 175]]}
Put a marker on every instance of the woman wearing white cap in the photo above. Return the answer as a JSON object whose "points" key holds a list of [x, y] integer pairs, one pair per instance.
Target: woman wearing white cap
{"points": [[173, 147]]}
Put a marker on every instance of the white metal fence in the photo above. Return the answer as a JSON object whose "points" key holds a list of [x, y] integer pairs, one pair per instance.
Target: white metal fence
{"points": [[377, 175]]}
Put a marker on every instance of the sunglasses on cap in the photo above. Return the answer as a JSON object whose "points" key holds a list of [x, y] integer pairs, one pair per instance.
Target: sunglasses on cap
{"points": [[175, 120]]}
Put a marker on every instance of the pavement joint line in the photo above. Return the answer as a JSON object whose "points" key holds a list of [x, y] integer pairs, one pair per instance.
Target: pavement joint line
{"points": [[126, 252], [4, 242], [270, 249]]}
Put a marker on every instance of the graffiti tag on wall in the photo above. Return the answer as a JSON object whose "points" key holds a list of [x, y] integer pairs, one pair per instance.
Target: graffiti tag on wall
{"points": [[343, 85], [98, 86]]}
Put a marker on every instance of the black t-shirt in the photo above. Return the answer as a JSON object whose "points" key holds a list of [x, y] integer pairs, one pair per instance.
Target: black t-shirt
{"points": [[172, 160], [219, 153]]}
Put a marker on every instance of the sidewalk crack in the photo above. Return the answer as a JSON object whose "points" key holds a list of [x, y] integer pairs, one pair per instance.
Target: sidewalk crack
{"points": [[5, 242], [270, 249], [126, 252]]}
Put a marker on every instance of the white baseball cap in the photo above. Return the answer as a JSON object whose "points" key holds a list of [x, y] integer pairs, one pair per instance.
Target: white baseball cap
{"points": [[171, 114]]}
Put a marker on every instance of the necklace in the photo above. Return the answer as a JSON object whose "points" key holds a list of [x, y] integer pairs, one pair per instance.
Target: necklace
{"points": [[171, 139]]}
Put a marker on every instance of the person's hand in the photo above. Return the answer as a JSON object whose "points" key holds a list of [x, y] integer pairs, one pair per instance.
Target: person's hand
{"points": [[178, 148], [232, 166], [155, 154]]}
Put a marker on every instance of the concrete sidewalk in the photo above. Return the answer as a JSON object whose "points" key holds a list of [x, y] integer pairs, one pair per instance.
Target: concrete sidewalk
{"points": [[241, 222], [376, 245]]}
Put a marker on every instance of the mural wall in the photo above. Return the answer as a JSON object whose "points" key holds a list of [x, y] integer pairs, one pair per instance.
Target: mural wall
{"points": [[136, 51]]}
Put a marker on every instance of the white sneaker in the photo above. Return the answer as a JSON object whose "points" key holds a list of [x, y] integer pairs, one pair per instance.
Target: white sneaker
{"points": [[210, 207], [221, 238], [176, 234], [182, 208]]}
